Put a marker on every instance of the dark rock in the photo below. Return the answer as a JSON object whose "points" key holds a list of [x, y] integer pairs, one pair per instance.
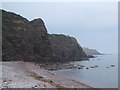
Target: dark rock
{"points": [[91, 56], [66, 48], [51, 81], [112, 65], [80, 67], [91, 52], [87, 68], [35, 86], [4, 81], [96, 66], [24, 40], [52, 69], [44, 85], [92, 67]]}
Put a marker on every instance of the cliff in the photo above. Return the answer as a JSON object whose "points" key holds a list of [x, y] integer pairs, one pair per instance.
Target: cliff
{"points": [[91, 51], [66, 47], [24, 40]]}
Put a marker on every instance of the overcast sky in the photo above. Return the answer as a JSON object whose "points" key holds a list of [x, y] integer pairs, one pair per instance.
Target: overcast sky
{"points": [[94, 25]]}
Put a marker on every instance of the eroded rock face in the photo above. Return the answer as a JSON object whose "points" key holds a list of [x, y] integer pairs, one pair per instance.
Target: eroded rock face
{"points": [[91, 51], [24, 40], [66, 47], [29, 41]]}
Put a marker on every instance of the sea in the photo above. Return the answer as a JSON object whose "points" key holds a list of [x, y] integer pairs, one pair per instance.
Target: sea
{"points": [[102, 76]]}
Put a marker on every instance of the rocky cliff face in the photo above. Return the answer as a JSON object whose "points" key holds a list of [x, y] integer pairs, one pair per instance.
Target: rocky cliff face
{"points": [[66, 47], [91, 51], [24, 40], [29, 41]]}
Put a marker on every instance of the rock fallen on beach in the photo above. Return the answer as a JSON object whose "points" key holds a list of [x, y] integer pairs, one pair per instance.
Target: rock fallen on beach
{"points": [[112, 65], [87, 68], [52, 69], [44, 85], [94, 66], [35, 86], [80, 67]]}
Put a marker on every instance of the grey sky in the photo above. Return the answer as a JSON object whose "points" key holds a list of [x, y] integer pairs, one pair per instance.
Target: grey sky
{"points": [[95, 25]]}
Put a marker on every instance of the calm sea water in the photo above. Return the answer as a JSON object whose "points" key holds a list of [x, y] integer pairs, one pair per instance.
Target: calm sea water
{"points": [[99, 77]]}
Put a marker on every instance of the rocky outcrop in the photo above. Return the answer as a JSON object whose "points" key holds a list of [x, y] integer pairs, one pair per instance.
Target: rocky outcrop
{"points": [[66, 48], [24, 40], [91, 51], [29, 41]]}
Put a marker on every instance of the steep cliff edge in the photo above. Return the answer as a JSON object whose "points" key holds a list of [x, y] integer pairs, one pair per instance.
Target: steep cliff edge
{"points": [[24, 40], [66, 48], [91, 51]]}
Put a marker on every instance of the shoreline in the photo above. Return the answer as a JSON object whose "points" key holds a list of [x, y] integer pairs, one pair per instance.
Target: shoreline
{"points": [[28, 75]]}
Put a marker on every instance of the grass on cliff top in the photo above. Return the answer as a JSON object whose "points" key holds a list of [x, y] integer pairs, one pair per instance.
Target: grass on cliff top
{"points": [[59, 36]]}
